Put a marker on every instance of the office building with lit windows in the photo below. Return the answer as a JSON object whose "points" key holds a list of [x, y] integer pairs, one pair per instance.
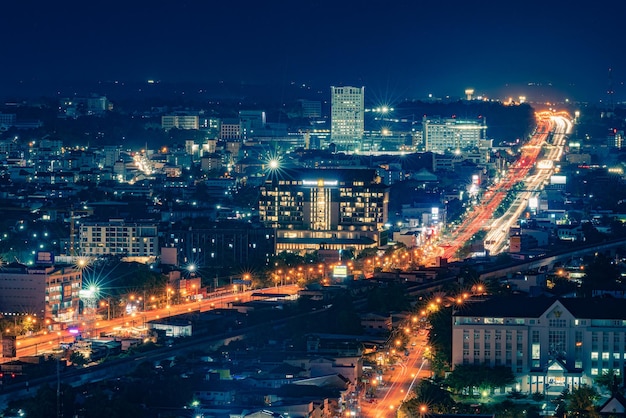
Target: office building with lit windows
{"points": [[332, 209], [180, 122], [452, 135], [117, 237], [347, 117], [41, 291], [550, 344], [226, 244]]}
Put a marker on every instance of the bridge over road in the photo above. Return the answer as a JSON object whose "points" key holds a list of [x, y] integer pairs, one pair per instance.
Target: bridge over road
{"points": [[550, 260]]}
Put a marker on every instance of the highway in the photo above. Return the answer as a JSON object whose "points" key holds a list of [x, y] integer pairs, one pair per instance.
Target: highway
{"points": [[480, 216], [47, 341], [498, 235]]}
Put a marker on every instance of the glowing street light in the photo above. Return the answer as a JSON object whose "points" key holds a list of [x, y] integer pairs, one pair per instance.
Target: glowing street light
{"points": [[423, 410]]}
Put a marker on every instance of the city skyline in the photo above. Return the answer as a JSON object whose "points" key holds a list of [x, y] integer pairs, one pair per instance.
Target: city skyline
{"points": [[399, 50]]}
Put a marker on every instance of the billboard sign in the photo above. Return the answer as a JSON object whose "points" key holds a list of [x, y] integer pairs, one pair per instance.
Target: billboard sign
{"points": [[340, 272]]}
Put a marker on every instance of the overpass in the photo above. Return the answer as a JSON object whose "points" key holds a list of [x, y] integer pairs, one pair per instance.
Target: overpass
{"points": [[550, 260]]}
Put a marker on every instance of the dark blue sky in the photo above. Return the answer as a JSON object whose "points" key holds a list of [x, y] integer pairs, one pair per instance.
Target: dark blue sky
{"points": [[396, 49]]}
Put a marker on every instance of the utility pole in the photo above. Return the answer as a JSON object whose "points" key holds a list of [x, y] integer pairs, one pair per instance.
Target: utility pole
{"points": [[58, 389], [72, 231]]}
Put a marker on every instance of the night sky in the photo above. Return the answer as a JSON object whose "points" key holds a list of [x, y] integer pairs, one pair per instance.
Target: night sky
{"points": [[396, 49]]}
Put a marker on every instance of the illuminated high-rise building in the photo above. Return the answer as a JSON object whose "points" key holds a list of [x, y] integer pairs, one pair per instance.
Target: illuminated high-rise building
{"points": [[347, 116], [452, 135], [314, 209]]}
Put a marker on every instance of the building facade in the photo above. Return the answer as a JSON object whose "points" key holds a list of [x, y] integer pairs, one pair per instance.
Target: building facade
{"points": [[180, 122], [117, 237], [347, 117], [230, 130], [42, 291], [315, 209], [251, 123], [223, 244], [550, 344], [452, 134]]}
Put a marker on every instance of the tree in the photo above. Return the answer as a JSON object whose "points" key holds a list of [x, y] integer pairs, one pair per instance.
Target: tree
{"points": [[45, 402], [609, 381], [437, 399], [367, 252], [465, 376], [440, 339], [472, 376], [390, 298], [500, 376], [439, 362], [77, 358], [435, 396], [580, 402], [98, 405], [601, 273], [560, 404]]}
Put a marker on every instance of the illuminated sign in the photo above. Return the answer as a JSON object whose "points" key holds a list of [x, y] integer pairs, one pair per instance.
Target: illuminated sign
{"points": [[533, 203], [44, 257], [340, 271], [320, 183], [558, 180], [434, 212]]}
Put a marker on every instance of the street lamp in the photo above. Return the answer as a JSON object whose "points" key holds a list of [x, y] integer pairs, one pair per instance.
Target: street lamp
{"points": [[168, 290], [423, 410]]}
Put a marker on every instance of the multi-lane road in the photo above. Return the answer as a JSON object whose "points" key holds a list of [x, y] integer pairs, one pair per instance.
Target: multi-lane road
{"points": [[497, 238], [398, 381], [481, 215], [47, 341]]}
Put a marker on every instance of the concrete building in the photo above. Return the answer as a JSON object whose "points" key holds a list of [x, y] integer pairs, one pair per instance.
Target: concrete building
{"points": [[211, 161], [347, 117], [7, 120], [310, 108], [230, 130], [117, 237], [225, 244], [333, 209], [452, 134], [111, 154], [97, 105], [43, 291], [549, 343], [251, 123], [180, 122]]}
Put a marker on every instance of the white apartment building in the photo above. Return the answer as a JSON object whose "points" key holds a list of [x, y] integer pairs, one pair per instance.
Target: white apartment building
{"points": [[117, 237], [347, 117], [550, 344], [452, 134], [180, 122]]}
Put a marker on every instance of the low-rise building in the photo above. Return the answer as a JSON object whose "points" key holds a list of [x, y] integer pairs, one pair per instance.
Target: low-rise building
{"points": [[549, 343]]}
